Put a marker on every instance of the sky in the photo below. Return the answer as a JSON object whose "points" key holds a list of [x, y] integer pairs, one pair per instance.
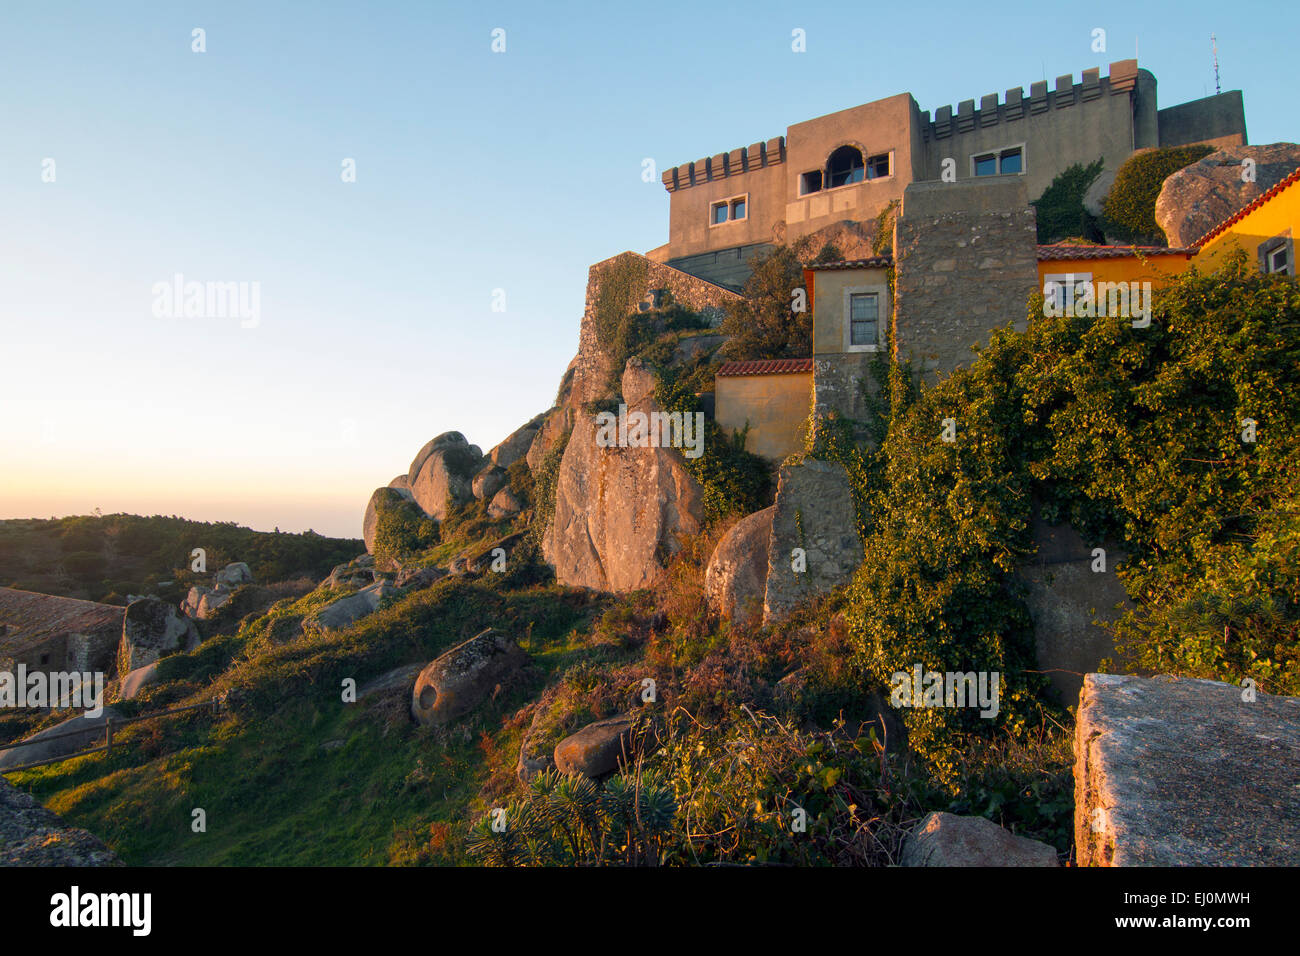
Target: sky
{"points": [[441, 288]]}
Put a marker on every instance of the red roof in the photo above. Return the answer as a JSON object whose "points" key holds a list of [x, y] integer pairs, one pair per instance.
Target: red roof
{"points": [[766, 367], [874, 262], [1064, 250], [1248, 208]]}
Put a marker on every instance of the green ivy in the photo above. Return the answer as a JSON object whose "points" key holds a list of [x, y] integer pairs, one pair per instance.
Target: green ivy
{"points": [[1129, 210]]}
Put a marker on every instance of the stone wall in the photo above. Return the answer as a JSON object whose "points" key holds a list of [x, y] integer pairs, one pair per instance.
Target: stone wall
{"points": [[966, 262], [592, 367], [775, 407]]}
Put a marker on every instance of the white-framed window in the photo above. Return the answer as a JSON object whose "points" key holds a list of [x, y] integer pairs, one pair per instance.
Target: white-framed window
{"points": [[1062, 289], [1004, 161], [865, 310], [810, 182], [1277, 255], [729, 210]]}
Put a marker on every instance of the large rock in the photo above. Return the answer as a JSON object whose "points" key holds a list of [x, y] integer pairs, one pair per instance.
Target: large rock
{"points": [[1196, 199], [944, 839], [460, 679], [348, 610], [814, 512], [596, 749], [233, 575], [388, 495], [137, 680], [445, 478], [82, 732], [445, 440], [1181, 772], [31, 835], [555, 423], [516, 444], [488, 482], [152, 629], [736, 578], [618, 509], [504, 504], [398, 679], [419, 578]]}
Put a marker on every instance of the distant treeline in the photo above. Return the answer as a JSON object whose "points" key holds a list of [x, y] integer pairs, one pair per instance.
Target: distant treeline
{"points": [[105, 558]]}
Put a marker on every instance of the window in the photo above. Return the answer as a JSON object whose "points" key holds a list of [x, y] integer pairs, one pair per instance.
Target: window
{"points": [[45, 659], [729, 210], [1277, 256], [810, 182], [845, 166], [1063, 290], [864, 315], [1005, 162], [878, 166]]}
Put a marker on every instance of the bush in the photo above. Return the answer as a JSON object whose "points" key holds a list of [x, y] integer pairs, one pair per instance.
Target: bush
{"points": [[1060, 208], [401, 529], [1130, 207], [762, 325]]}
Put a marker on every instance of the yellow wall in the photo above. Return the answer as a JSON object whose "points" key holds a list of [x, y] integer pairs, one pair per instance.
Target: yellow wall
{"points": [[1156, 269], [775, 406], [1280, 215]]}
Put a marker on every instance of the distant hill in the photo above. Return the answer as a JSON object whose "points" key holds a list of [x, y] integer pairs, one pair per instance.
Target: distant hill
{"points": [[105, 558]]}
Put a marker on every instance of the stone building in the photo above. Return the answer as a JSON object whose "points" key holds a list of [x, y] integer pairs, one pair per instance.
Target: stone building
{"points": [[849, 165], [52, 634]]}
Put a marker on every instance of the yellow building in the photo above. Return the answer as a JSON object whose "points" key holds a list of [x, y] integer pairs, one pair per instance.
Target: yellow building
{"points": [[1265, 229], [771, 397], [1063, 269]]}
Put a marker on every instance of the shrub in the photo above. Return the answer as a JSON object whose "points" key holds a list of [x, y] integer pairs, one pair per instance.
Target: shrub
{"points": [[1060, 208], [1130, 207], [401, 529]]}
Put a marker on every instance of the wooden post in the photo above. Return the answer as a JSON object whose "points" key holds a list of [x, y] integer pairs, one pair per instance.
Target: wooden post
{"points": [[108, 736]]}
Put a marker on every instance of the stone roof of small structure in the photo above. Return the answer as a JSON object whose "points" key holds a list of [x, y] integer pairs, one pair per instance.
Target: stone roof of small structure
{"points": [[30, 618], [766, 367], [1065, 250]]}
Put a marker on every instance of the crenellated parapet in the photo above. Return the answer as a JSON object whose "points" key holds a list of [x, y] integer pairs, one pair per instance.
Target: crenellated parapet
{"points": [[732, 163], [1015, 105]]}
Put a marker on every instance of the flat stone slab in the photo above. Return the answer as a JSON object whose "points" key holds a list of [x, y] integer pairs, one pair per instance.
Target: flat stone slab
{"points": [[1183, 772], [945, 839]]}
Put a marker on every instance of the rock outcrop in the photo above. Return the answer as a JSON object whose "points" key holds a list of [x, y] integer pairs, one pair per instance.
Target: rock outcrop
{"points": [[350, 609], [445, 475], [945, 839], [618, 508], [1182, 772], [76, 733], [814, 513], [735, 580], [151, 628], [136, 681], [517, 443], [488, 482], [462, 678], [31, 835], [504, 504], [233, 575], [596, 749], [1196, 199], [387, 496]]}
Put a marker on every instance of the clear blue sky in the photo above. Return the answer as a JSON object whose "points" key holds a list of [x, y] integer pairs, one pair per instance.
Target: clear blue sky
{"points": [[475, 171]]}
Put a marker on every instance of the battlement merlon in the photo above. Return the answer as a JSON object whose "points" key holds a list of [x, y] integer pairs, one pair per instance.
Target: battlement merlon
{"points": [[731, 163]]}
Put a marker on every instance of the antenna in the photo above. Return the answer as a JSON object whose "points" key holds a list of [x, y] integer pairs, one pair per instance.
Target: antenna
{"points": [[1214, 45]]}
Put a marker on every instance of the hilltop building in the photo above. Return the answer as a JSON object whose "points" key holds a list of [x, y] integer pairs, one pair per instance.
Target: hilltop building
{"points": [[851, 164], [53, 634]]}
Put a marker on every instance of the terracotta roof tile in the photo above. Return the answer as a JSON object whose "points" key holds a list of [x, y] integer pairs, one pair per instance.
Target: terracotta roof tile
{"points": [[1062, 250], [874, 262], [766, 367]]}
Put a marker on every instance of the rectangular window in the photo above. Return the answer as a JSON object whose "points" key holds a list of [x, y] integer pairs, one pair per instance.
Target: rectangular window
{"points": [[878, 166], [738, 209], [810, 182], [731, 209], [1010, 161], [1006, 161], [1064, 290], [719, 213], [986, 165], [863, 318], [1277, 255]]}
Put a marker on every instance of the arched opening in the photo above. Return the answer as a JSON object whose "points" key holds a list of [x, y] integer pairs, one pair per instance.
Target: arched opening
{"points": [[845, 166]]}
